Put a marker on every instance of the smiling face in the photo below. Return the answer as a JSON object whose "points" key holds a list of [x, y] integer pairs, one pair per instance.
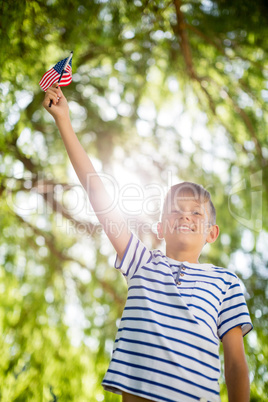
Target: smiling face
{"points": [[188, 220]]}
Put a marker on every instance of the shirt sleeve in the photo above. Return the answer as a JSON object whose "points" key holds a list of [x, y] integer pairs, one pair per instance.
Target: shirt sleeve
{"points": [[234, 311], [136, 255]]}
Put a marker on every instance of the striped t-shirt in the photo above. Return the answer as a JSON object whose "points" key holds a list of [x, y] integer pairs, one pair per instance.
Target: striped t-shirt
{"points": [[167, 345]]}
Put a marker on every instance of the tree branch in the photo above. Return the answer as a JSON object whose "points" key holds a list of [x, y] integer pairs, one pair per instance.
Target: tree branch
{"points": [[180, 29], [51, 244]]}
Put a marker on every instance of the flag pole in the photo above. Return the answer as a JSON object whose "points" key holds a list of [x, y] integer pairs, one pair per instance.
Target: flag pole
{"points": [[62, 72]]}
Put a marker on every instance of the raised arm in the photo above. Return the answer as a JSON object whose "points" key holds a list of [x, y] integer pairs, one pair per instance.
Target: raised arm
{"points": [[111, 219]]}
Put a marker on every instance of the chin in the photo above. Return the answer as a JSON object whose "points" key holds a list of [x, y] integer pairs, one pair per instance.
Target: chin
{"points": [[182, 239]]}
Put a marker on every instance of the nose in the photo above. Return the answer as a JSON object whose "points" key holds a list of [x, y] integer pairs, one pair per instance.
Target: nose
{"points": [[182, 219], [185, 216]]}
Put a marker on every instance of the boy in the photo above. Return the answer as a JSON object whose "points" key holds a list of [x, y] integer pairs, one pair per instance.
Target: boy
{"points": [[177, 310]]}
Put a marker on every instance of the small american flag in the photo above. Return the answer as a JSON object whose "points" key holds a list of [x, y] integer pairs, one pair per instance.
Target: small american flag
{"points": [[53, 75]]}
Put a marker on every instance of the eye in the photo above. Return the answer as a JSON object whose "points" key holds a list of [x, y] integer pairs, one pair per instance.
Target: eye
{"points": [[196, 213]]}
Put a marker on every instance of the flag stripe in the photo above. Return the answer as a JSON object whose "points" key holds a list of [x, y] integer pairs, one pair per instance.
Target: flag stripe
{"points": [[53, 75]]}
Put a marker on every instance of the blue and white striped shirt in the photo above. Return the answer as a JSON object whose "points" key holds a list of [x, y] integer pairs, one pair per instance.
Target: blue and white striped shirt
{"points": [[167, 345]]}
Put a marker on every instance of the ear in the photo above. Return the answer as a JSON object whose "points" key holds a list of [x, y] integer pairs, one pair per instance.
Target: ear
{"points": [[213, 234], [160, 233]]}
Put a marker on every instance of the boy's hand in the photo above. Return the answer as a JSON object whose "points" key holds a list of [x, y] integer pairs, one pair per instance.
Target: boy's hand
{"points": [[59, 108]]}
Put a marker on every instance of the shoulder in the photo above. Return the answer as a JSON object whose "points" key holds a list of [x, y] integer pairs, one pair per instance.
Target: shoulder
{"points": [[225, 273]]}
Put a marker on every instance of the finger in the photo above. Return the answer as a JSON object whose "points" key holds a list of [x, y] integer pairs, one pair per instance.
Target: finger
{"points": [[59, 91], [54, 93], [55, 90], [57, 86], [52, 96]]}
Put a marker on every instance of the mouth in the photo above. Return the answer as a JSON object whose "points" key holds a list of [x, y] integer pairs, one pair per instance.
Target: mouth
{"points": [[183, 228]]}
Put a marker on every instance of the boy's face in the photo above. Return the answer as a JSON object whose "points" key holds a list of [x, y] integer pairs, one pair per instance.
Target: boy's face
{"points": [[186, 224]]}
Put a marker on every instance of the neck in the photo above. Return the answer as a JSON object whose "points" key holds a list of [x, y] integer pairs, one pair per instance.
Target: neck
{"points": [[183, 255]]}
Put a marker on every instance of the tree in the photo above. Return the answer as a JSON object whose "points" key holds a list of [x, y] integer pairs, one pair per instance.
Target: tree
{"points": [[163, 91]]}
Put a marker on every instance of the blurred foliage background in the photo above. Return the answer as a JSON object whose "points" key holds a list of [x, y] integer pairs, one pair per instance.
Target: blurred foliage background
{"points": [[162, 91]]}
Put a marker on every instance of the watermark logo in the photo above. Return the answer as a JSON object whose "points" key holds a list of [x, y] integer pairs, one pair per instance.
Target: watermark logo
{"points": [[250, 215], [29, 194]]}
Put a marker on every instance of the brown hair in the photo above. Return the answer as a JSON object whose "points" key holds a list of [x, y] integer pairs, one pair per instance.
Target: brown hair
{"points": [[192, 191]]}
